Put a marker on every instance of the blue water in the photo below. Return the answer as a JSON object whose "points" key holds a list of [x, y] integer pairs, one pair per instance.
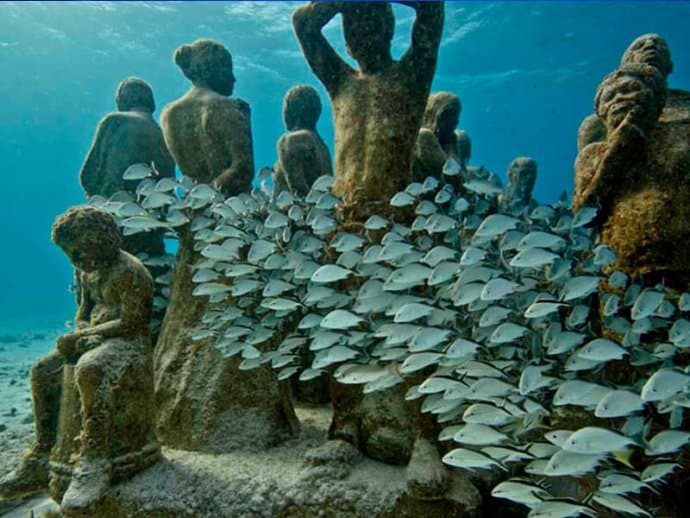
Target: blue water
{"points": [[526, 73]]}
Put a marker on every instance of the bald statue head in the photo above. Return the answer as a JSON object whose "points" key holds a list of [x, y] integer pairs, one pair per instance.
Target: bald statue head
{"points": [[634, 89], [134, 93], [649, 49], [207, 64], [301, 108], [442, 114], [368, 30]]}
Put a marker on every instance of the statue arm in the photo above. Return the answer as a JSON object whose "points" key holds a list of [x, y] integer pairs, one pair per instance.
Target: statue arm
{"points": [[308, 20], [426, 38], [238, 177], [89, 176]]}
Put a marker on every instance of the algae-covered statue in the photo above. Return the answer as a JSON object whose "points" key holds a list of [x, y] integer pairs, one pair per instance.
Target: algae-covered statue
{"points": [[93, 395], [208, 133], [377, 109], [204, 401], [125, 137], [639, 175], [302, 154], [437, 140], [522, 175]]}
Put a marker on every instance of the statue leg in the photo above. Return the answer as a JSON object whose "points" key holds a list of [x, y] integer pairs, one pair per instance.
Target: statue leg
{"points": [[95, 373], [46, 385]]}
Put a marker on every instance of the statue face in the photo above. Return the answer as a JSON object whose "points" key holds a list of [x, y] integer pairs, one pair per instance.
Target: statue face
{"points": [[625, 95], [650, 49], [81, 259], [368, 31], [448, 121]]}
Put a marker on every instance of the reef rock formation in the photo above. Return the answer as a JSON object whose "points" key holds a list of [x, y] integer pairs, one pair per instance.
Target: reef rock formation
{"points": [[377, 109], [522, 175], [638, 174], [437, 140], [302, 153], [93, 396], [123, 138], [204, 401]]}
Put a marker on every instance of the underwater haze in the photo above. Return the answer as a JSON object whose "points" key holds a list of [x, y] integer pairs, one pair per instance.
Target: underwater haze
{"points": [[525, 72]]}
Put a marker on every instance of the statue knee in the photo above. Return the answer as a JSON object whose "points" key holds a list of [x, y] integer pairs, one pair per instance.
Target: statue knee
{"points": [[88, 374]]}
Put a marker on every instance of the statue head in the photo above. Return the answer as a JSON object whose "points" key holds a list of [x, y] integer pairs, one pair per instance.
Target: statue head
{"points": [[635, 89], [208, 64], [368, 30], [301, 108], [89, 236], [464, 146], [649, 49], [522, 175], [442, 114], [134, 93]]}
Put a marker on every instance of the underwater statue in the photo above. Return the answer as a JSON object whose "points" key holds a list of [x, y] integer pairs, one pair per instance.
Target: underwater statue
{"points": [[437, 140], [204, 401], [522, 175], [302, 154], [648, 49], [639, 175], [125, 137], [207, 132], [377, 109], [93, 396]]}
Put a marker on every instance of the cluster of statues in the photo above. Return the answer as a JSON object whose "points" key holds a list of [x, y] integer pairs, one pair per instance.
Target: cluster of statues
{"points": [[633, 162], [107, 394]]}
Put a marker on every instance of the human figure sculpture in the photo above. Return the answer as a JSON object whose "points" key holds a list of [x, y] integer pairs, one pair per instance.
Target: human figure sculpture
{"points": [[437, 140], [107, 357], [377, 109], [639, 175], [208, 133], [302, 154], [204, 401], [522, 175], [648, 49]]}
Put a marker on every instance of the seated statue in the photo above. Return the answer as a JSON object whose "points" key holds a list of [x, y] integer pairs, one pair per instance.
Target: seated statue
{"points": [[437, 140], [302, 154], [125, 137], [639, 174], [204, 401], [377, 109], [522, 175], [96, 388]]}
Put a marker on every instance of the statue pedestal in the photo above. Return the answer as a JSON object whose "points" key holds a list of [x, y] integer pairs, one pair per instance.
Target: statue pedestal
{"points": [[305, 476]]}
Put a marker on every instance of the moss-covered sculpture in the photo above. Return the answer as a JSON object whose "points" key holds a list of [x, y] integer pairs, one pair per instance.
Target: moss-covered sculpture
{"points": [[437, 139], [522, 175], [96, 388], [377, 109], [125, 137], [204, 402], [638, 173], [302, 154]]}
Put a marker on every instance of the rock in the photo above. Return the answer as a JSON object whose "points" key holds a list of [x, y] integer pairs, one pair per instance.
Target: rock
{"points": [[427, 478]]}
